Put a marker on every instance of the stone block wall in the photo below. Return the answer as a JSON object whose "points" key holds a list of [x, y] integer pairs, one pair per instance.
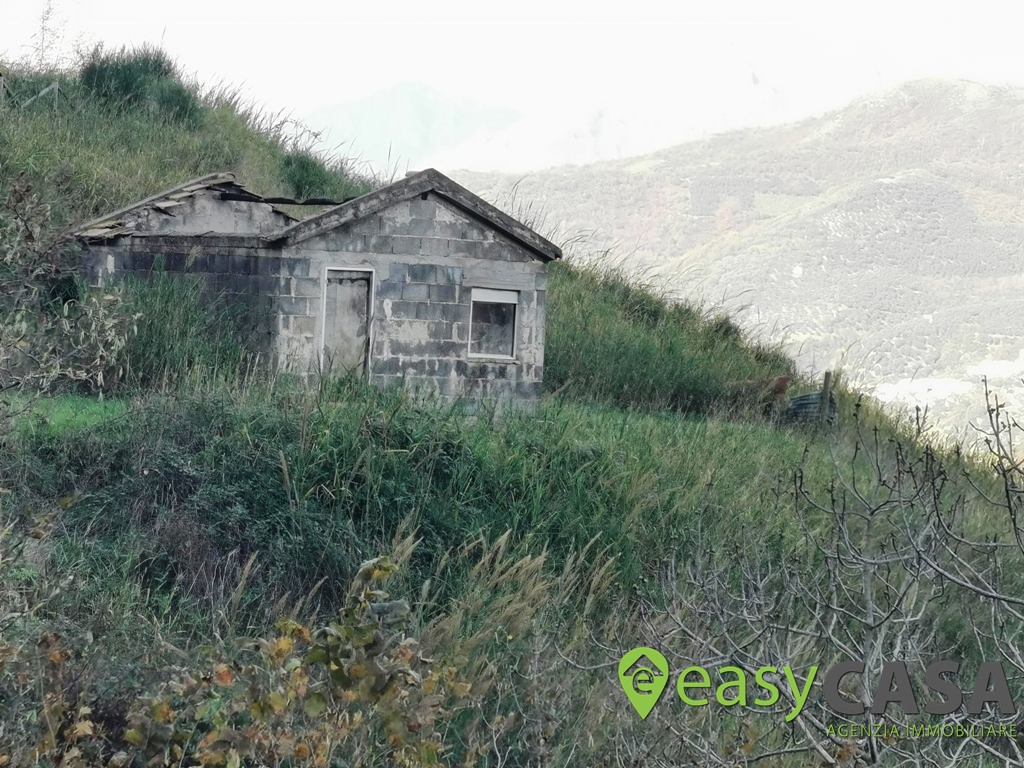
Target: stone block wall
{"points": [[231, 268], [426, 257]]}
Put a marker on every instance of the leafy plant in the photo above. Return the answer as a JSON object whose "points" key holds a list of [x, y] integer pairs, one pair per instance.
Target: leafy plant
{"points": [[51, 331], [355, 686]]}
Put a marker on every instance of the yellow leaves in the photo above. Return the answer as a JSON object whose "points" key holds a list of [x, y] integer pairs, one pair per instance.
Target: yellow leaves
{"points": [[161, 712], [278, 702], [54, 649], [298, 682], [279, 648], [42, 528], [406, 652], [223, 676], [5, 760], [292, 628], [68, 501], [450, 676], [381, 568], [431, 682], [299, 695], [82, 729], [213, 757], [210, 739]]}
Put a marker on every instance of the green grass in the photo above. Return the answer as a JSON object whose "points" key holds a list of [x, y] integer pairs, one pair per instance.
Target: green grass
{"points": [[181, 331], [141, 79], [54, 416], [126, 126], [612, 340], [278, 474], [210, 463], [204, 501]]}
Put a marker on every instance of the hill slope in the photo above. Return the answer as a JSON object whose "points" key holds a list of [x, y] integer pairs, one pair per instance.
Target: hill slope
{"points": [[885, 236], [189, 568], [125, 127]]}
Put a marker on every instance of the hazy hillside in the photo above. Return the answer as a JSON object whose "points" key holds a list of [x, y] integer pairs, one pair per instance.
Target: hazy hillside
{"points": [[885, 237]]}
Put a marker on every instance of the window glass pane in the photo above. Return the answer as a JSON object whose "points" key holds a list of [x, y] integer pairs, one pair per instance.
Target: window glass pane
{"points": [[493, 329]]}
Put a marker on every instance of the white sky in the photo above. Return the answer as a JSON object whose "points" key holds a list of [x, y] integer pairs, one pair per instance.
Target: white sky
{"points": [[666, 71]]}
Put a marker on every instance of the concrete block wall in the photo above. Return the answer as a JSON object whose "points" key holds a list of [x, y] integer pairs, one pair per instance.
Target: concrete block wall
{"points": [[426, 257], [231, 267]]}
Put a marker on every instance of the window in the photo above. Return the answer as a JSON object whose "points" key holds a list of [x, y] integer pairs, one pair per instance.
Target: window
{"points": [[492, 323]]}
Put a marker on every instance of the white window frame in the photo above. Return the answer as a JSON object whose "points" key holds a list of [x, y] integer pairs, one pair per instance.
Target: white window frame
{"points": [[494, 296]]}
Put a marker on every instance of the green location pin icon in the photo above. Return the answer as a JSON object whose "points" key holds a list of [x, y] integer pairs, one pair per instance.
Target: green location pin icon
{"points": [[643, 673]]}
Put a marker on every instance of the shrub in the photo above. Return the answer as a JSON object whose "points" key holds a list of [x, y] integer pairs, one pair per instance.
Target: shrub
{"points": [[297, 696], [310, 696], [52, 331], [141, 77], [307, 175]]}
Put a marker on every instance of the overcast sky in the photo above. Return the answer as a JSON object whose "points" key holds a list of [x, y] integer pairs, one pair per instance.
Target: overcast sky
{"points": [[586, 80]]}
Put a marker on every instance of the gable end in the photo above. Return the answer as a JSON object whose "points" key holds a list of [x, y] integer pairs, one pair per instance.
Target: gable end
{"points": [[421, 184]]}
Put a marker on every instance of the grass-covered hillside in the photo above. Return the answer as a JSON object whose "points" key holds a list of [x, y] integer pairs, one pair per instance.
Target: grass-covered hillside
{"points": [[124, 126], [203, 564]]}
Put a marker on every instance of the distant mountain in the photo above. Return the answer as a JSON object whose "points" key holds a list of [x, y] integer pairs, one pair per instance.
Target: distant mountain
{"points": [[405, 126], [886, 237]]}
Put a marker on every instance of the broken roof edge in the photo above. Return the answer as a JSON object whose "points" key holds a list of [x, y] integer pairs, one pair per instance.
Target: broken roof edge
{"points": [[193, 185], [429, 180], [205, 181]]}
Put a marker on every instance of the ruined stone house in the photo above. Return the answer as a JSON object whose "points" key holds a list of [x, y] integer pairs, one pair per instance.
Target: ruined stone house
{"points": [[420, 284]]}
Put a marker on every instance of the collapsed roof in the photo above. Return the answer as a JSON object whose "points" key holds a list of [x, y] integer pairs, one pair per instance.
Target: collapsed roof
{"points": [[291, 231]]}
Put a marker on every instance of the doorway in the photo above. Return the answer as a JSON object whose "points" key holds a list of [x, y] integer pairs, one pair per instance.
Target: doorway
{"points": [[346, 321]]}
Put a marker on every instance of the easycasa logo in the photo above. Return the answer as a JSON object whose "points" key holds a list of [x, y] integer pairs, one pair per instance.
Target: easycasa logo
{"points": [[644, 675]]}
